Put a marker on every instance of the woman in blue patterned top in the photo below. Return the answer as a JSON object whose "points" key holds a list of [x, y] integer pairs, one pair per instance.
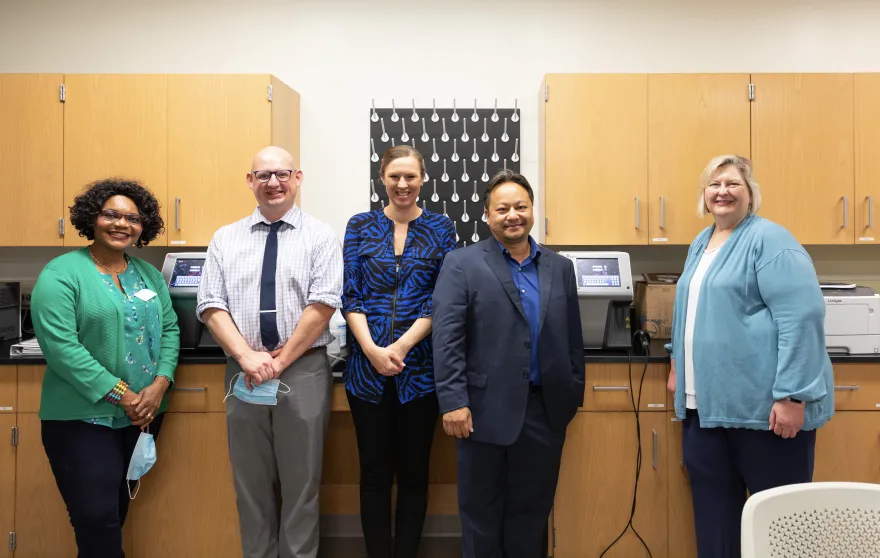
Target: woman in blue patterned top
{"points": [[392, 258]]}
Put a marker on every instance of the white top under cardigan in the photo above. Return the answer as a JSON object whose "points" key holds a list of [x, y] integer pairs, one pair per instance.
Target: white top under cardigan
{"points": [[693, 298]]}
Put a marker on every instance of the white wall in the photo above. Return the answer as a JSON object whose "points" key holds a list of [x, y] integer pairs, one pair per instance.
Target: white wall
{"points": [[341, 54]]}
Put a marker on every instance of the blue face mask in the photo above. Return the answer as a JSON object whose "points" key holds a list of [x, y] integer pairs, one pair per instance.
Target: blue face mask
{"points": [[263, 394], [142, 459]]}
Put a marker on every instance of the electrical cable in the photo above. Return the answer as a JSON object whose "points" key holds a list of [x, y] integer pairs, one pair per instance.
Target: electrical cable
{"points": [[644, 340]]}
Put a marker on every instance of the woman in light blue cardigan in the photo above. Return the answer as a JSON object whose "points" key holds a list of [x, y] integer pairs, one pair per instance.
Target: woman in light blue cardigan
{"points": [[749, 369]]}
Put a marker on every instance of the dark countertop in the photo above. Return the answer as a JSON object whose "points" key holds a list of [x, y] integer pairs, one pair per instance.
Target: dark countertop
{"points": [[204, 356]]}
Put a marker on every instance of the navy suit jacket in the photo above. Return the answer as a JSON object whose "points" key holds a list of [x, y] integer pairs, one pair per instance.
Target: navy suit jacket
{"points": [[481, 341]]}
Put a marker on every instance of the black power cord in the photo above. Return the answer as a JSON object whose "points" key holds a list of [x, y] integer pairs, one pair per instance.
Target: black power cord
{"points": [[644, 340]]}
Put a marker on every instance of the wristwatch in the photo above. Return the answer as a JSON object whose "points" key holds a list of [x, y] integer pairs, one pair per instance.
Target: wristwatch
{"points": [[793, 400]]}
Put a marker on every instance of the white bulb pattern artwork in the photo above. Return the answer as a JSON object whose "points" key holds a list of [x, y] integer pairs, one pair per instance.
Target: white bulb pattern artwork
{"points": [[450, 140]]}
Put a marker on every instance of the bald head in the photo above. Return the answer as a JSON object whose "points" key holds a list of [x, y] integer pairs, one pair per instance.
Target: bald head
{"points": [[275, 180], [272, 157]]}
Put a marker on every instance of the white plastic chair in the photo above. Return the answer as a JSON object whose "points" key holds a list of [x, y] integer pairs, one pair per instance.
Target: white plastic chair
{"points": [[813, 520]]}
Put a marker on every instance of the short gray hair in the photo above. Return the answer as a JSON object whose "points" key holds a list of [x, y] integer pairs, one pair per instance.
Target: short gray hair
{"points": [[744, 166]]}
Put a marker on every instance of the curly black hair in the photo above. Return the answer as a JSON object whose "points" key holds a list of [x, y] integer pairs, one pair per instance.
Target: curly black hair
{"points": [[86, 206]]}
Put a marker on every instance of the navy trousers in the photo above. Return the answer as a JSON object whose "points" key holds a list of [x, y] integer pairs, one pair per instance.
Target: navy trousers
{"points": [[505, 493], [90, 463], [723, 463]]}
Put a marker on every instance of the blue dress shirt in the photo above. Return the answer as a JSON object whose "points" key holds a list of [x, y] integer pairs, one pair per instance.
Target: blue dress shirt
{"points": [[525, 276]]}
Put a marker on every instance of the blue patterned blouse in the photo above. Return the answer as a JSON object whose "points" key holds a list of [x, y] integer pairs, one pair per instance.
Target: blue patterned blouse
{"points": [[143, 332], [392, 293]]}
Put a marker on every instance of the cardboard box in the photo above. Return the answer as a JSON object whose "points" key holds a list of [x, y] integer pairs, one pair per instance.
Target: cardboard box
{"points": [[654, 300]]}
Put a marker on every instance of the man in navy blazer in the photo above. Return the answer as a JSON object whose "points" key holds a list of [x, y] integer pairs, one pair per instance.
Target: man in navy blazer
{"points": [[509, 368]]}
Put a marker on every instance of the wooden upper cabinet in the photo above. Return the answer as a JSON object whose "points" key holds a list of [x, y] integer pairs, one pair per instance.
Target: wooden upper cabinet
{"points": [[31, 159], [595, 160], [867, 149], [691, 119], [216, 124], [116, 125], [802, 149]]}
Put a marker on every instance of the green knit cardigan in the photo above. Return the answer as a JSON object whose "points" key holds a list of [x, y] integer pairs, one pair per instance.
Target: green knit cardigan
{"points": [[79, 327]]}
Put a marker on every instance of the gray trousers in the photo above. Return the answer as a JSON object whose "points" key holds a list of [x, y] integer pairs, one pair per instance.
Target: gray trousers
{"points": [[276, 454]]}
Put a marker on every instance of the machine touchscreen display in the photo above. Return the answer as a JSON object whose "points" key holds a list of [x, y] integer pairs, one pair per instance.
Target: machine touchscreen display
{"points": [[187, 272], [598, 272]]}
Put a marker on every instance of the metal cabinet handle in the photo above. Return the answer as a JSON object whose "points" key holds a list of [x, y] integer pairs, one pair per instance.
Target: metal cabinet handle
{"points": [[845, 211], [656, 445], [870, 211], [177, 214], [846, 388], [637, 212], [190, 389], [662, 212], [610, 388]]}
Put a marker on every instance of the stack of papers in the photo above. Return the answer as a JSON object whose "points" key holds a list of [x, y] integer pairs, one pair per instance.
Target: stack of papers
{"points": [[26, 348]]}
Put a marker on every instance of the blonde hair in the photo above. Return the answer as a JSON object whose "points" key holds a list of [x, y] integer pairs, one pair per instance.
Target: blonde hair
{"points": [[744, 166]]}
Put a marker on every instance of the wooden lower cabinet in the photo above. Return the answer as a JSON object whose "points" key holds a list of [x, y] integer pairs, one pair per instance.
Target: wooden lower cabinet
{"points": [[186, 504], [682, 542], [7, 484], [594, 497], [848, 448]]}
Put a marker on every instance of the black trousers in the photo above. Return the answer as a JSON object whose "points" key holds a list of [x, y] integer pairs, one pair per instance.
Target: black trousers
{"points": [[505, 493], [722, 463], [394, 438], [90, 463]]}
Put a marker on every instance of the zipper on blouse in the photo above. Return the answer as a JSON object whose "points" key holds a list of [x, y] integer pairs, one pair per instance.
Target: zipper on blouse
{"points": [[394, 302]]}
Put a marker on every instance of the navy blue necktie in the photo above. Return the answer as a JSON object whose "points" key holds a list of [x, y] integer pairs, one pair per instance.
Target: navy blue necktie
{"points": [[268, 322]]}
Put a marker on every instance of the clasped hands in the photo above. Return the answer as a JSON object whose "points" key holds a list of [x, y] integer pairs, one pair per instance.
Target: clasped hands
{"points": [[261, 366], [142, 407], [388, 361]]}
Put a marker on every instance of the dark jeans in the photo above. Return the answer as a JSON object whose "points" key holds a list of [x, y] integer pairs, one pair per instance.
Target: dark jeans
{"points": [[394, 438], [90, 463], [722, 463]]}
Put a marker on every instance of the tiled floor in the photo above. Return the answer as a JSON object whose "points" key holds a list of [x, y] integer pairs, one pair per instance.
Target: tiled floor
{"points": [[431, 547]]}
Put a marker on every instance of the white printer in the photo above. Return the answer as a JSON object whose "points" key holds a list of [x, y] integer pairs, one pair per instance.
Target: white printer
{"points": [[852, 319]]}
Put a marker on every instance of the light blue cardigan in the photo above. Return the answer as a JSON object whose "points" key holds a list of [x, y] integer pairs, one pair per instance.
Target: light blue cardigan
{"points": [[759, 334]]}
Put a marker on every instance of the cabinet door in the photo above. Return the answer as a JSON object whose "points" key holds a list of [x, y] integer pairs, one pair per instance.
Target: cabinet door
{"points": [[848, 448], [42, 525], [8, 389], [682, 537], [232, 118], [116, 125], [597, 476], [802, 147], [7, 482], [596, 160], [186, 504], [691, 119], [31, 159], [867, 137]]}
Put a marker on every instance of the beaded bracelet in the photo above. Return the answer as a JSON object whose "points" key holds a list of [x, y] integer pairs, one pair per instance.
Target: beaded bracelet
{"points": [[115, 394]]}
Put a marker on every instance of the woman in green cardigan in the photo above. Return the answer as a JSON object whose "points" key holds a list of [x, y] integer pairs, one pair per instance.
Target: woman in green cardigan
{"points": [[110, 338]]}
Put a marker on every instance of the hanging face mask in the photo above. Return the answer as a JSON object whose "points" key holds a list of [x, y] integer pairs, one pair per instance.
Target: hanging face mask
{"points": [[263, 394], [142, 459]]}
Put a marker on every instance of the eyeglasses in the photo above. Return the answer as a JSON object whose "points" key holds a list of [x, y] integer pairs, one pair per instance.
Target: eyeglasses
{"points": [[114, 216], [266, 176]]}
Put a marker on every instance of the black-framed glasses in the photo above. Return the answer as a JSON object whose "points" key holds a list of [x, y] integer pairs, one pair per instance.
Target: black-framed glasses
{"points": [[265, 175], [113, 216]]}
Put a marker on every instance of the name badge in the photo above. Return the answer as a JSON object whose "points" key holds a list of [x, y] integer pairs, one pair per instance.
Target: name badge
{"points": [[145, 294]]}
